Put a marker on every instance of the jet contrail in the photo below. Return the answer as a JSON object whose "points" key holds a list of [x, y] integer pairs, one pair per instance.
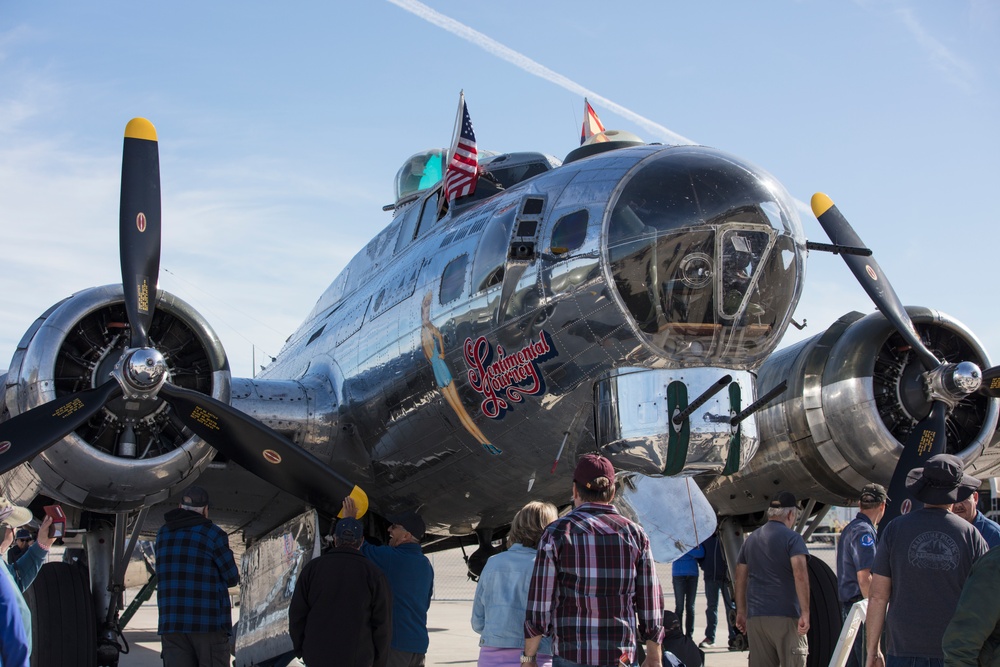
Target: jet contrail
{"points": [[490, 45]]}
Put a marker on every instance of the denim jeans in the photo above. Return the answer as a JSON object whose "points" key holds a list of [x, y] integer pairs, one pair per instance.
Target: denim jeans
{"points": [[685, 588], [895, 661], [712, 589]]}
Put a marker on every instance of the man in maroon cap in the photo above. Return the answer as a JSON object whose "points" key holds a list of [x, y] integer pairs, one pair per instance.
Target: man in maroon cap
{"points": [[594, 573]]}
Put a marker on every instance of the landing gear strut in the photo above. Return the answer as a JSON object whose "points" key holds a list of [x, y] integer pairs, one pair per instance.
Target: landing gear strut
{"points": [[109, 560]]}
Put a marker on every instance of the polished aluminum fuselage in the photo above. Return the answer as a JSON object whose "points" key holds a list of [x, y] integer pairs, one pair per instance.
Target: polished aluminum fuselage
{"points": [[367, 399]]}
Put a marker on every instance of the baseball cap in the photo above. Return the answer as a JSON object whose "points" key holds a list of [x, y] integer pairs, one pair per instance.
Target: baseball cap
{"points": [[874, 493], [411, 521], [783, 499], [13, 515], [349, 530], [195, 496], [592, 466], [22, 534]]}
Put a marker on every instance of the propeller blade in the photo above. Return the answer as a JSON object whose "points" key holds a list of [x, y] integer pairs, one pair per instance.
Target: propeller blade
{"points": [[28, 434], [262, 451], [870, 275], [139, 226], [991, 382], [927, 439]]}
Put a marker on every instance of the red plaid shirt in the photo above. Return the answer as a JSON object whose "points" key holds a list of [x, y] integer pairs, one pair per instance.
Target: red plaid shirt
{"points": [[593, 575]]}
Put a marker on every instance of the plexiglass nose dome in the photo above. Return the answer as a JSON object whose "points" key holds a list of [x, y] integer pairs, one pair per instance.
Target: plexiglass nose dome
{"points": [[707, 254]]}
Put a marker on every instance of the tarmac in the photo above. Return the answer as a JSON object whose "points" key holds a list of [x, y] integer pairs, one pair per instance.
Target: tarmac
{"points": [[452, 640]]}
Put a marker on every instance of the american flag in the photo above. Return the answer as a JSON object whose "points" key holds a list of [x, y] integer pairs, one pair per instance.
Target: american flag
{"points": [[463, 168], [591, 123]]}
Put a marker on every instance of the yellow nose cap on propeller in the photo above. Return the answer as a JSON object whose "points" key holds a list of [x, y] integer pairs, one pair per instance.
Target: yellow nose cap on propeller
{"points": [[360, 502], [140, 128], [820, 204]]}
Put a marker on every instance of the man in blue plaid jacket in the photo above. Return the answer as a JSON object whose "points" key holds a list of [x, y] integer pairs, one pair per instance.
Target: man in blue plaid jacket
{"points": [[194, 569]]}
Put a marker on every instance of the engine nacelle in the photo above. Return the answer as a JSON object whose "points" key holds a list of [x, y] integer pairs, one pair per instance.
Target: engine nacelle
{"points": [[73, 347], [854, 394]]}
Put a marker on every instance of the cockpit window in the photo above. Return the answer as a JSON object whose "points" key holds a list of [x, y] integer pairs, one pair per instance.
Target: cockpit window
{"points": [[704, 251], [499, 175]]}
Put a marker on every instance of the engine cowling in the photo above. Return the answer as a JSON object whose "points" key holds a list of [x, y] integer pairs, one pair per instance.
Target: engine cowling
{"points": [[73, 346], [854, 393]]}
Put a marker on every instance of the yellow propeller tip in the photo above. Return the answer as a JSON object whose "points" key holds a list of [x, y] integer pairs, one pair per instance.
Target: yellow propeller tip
{"points": [[140, 128], [820, 204], [360, 502]]}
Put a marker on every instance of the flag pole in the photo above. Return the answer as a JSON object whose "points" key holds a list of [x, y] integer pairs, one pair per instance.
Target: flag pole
{"points": [[458, 126], [443, 201]]}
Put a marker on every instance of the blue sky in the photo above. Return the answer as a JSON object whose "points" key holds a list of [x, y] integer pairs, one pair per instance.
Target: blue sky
{"points": [[281, 128]]}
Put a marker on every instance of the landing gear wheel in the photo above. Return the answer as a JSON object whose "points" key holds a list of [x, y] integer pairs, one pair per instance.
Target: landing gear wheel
{"points": [[63, 627], [824, 613]]}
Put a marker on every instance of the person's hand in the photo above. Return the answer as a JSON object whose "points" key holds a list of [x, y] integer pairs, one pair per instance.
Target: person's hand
{"points": [[741, 622], [43, 538], [350, 509], [654, 659], [8, 538], [804, 623]]}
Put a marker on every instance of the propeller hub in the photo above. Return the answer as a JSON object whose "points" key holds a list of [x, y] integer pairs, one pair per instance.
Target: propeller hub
{"points": [[950, 383], [967, 377], [141, 372]]}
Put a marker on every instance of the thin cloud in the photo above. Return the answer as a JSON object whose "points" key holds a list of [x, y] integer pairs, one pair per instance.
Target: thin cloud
{"points": [[525, 63], [941, 57]]}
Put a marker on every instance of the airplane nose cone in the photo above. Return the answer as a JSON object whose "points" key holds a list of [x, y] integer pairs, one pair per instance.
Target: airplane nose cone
{"points": [[707, 254]]}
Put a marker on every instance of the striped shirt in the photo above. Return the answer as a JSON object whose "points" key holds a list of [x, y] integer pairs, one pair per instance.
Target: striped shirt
{"points": [[593, 575]]}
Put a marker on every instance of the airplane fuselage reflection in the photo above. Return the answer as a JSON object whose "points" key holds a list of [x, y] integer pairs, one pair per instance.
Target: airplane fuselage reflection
{"points": [[605, 294]]}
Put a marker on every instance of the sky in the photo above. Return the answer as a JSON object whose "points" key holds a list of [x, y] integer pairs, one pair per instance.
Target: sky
{"points": [[281, 128]]}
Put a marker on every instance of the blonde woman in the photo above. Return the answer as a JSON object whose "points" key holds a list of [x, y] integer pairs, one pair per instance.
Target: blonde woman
{"points": [[433, 343], [502, 592]]}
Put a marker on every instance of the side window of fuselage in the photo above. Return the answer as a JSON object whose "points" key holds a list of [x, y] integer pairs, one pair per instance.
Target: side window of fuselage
{"points": [[453, 279], [569, 232]]}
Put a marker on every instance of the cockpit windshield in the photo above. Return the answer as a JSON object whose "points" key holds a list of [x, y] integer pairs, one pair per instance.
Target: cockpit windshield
{"points": [[706, 252]]}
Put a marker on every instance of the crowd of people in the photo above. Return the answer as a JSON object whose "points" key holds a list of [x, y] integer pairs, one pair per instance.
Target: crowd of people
{"points": [[581, 589]]}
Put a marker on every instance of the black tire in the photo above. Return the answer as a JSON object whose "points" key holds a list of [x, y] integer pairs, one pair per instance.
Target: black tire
{"points": [[63, 626], [824, 613]]}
